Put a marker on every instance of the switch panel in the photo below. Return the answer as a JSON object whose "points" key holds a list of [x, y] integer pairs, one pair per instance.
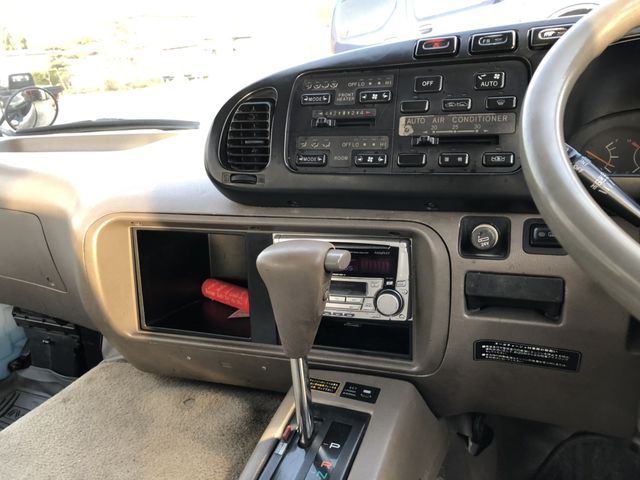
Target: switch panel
{"points": [[452, 119]]}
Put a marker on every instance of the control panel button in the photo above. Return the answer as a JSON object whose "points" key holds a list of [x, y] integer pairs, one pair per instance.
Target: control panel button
{"points": [[456, 104], [429, 84], [544, 37], [493, 42], [375, 96], [504, 102], [542, 236], [323, 122], [498, 159], [484, 237], [364, 393], [336, 298], [370, 159], [453, 159], [311, 159], [414, 106], [436, 46], [489, 80], [412, 159], [388, 302], [315, 99]]}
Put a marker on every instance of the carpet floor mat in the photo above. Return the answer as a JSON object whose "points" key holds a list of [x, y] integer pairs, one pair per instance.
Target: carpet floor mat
{"points": [[591, 457], [27, 389], [116, 422]]}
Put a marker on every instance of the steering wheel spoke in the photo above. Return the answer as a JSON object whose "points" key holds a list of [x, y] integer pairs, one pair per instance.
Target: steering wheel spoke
{"points": [[603, 189]]}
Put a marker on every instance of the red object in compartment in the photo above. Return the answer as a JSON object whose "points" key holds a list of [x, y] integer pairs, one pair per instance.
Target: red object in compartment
{"points": [[226, 293]]}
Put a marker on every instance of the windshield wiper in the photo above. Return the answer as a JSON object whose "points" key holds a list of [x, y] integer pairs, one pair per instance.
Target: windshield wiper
{"points": [[112, 124]]}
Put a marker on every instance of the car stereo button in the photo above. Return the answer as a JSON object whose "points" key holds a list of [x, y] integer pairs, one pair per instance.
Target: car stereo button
{"points": [[342, 306], [493, 42], [336, 298], [505, 102], [354, 300], [429, 84], [544, 37], [489, 80], [436, 46], [456, 104]]}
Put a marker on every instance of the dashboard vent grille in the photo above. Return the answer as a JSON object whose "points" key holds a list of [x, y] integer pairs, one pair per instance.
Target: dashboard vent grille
{"points": [[249, 137]]}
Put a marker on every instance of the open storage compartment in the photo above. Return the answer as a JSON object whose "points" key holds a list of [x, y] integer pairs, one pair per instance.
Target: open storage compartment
{"points": [[172, 265], [386, 338]]}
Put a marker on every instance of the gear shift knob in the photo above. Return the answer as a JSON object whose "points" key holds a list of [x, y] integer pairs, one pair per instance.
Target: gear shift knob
{"points": [[297, 274]]}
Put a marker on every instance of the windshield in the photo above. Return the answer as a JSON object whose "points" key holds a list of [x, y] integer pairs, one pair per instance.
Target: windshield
{"points": [[145, 59]]}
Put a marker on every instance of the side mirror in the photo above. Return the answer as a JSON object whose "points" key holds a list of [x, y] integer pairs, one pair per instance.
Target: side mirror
{"points": [[30, 107]]}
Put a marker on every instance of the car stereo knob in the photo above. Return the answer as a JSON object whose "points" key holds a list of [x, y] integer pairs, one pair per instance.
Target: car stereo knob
{"points": [[388, 302]]}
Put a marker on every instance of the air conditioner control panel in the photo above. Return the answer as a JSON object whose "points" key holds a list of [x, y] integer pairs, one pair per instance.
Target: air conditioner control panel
{"points": [[451, 118]]}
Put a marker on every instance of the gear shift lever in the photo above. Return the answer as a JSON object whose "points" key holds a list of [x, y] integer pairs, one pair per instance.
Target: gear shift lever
{"points": [[297, 274]]}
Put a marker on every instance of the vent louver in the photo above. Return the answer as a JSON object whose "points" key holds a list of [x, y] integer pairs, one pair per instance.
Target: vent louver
{"points": [[249, 137]]}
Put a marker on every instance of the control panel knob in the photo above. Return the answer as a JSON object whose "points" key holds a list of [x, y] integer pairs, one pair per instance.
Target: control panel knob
{"points": [[388, 302], [484, 237]]}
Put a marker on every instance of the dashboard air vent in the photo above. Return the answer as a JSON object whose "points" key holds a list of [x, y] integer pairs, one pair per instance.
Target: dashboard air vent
{"points": [[248, 139]]}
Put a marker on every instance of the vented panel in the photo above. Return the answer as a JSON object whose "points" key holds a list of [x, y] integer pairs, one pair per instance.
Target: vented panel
{"points": [[248, 137]]}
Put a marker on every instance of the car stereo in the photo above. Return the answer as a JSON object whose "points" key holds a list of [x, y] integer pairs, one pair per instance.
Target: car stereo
{"points": [[375, 286]]}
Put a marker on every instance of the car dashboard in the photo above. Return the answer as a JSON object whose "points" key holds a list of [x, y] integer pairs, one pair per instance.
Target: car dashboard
{"points": [[407, 154]]}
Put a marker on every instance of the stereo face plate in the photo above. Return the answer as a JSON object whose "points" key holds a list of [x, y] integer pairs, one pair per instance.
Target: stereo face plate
{"points": [[375, 286]]}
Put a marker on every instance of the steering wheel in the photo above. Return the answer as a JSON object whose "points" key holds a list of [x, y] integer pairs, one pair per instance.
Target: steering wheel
{"points": [[606, 252]]}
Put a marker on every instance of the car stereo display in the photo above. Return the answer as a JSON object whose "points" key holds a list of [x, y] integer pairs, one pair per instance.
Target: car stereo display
{"points": [[372, 262]]}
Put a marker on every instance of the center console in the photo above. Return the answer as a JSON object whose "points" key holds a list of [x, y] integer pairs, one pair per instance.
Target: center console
{"points": [[395, 435], [325, 439]]}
